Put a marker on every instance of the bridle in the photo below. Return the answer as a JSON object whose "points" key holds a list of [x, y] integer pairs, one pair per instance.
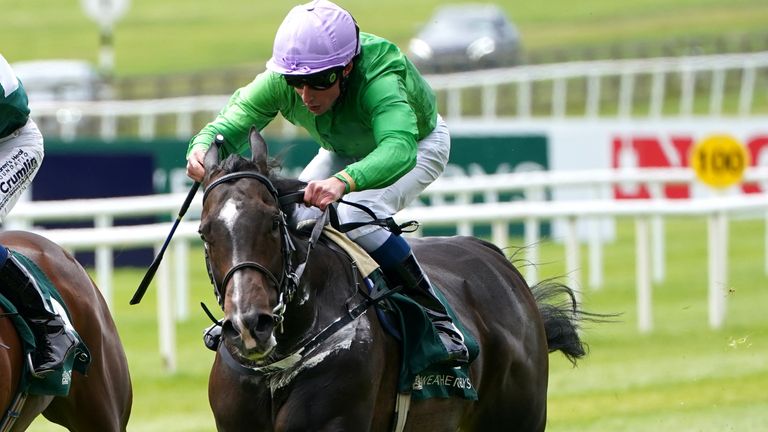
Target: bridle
{"points": [[290, 275], [288, 281]]}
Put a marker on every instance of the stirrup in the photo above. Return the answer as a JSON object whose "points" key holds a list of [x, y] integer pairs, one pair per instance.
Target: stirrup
{"points": [[459, 356], [37, 374], [454, 343], [31, 367]]}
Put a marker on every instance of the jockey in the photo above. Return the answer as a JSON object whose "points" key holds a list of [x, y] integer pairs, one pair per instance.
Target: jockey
{"points": [[375, 118], [21, 153]]}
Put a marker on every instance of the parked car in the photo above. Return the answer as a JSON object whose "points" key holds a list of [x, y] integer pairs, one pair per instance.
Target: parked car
{"points": [[463, 37], [57, 80]]}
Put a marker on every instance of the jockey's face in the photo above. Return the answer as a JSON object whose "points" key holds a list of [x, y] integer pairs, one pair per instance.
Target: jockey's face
{"points": [[319, 101]]}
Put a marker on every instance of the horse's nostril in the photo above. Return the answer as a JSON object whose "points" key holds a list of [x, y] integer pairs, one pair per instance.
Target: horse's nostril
{"points": [[228, 330], [260, 325], [265, 323]]}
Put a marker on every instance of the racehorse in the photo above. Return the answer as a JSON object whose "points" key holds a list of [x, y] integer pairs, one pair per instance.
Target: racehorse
{"points": [[97, 402], [347, 382]]}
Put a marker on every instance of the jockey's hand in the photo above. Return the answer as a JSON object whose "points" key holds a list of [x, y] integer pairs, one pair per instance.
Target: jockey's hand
{"points": [[195, 167], [321, 193]]}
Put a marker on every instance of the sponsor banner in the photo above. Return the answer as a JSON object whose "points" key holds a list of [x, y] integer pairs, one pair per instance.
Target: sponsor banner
{"points": [[480, 152], [475, 153], [605, 144], [656, 144], [82, 175]]}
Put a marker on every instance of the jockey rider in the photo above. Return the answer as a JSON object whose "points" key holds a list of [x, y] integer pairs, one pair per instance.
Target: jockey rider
{"points": [[21, 153], [374, 117]]}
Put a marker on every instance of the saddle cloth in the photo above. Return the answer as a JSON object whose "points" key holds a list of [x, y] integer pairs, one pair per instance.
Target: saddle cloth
{"points": [[58, 383], [406, 321]]}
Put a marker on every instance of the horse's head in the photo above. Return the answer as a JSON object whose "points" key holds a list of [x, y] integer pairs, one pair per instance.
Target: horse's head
{"points": [[248, 248]]}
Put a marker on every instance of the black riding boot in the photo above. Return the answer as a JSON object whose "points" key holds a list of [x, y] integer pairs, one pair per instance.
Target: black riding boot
{"points": [[52, 339], [417, 286]]}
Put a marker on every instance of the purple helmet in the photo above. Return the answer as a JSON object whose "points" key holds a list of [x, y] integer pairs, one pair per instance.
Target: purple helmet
{"points": [[314, 37]]}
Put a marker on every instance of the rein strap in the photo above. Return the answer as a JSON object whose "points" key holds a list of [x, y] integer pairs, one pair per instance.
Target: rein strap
{"points": [[292, 276]]}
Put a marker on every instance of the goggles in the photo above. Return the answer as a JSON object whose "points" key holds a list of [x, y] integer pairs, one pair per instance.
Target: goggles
{"points": [[322, 80]]}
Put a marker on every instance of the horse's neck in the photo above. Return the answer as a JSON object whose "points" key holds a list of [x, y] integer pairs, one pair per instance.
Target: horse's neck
{"points": [[325, 288]]}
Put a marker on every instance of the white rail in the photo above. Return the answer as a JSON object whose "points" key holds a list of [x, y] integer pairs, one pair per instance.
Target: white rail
{"points": [[653, 80], [104, 237], [594, 89]]}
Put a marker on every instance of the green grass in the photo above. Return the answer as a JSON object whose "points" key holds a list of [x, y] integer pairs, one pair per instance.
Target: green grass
{"points": [[682, 377], [191, 35]]}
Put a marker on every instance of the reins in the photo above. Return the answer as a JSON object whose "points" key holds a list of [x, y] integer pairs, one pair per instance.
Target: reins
{"points": [[290, 276]]}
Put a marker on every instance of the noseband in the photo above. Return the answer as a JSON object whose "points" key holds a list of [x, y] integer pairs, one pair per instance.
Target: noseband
{"points": [[288, 282]]}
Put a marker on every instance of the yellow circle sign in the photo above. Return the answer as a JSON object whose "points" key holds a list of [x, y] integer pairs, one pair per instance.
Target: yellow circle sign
{"points": [[719, 160]]}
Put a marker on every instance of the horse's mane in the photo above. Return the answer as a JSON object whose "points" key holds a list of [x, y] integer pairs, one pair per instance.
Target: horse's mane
{"points": [[236, 163]]}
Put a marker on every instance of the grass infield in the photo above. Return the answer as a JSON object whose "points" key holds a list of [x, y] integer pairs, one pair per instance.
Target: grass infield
{"points": [[683, 376], [172, 36]]}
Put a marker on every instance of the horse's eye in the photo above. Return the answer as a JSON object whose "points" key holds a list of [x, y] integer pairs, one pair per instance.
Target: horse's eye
{"points": [[202, 230], [275, 222]]}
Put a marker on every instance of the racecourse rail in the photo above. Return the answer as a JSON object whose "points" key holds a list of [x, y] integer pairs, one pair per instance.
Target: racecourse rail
{"points": [[638, 88], [446, 203]]}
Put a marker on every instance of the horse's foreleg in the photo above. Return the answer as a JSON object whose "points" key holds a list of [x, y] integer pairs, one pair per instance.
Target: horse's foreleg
{"points": [[108, 398], [239, 402], [106, 392], [344, 395], [33, 406]]}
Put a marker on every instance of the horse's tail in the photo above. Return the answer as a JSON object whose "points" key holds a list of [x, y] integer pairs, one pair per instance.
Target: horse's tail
{"points": [[561, 313], [562, 316]]}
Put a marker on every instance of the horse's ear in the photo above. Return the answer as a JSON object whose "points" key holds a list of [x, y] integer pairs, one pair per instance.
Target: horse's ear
{"points": [[211, 159], [258, 149]]}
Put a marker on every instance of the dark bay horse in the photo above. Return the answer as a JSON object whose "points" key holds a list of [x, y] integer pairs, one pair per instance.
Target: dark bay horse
{"points": [[98, 402], [347, 382]]}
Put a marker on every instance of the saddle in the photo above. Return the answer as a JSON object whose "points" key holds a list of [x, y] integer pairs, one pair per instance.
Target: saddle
{"points": [[407, 322], [57, 383]]}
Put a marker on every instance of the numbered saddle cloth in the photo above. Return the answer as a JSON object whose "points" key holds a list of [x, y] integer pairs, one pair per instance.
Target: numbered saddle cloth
{"points": [[419, 341]]}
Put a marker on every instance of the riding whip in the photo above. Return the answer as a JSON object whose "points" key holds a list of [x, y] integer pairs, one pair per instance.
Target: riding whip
{"points": [[142, 289]]}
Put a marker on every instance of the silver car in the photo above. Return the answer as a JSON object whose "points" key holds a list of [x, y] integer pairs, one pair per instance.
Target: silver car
{"points": [[59, 79], [463, 37]]}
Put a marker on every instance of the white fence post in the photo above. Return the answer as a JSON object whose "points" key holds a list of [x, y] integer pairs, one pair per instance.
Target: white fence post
{"points": [[104, 261], [181, 261], [531, 244], [573, 257], [642, 275], [765, 245], [595, 254], [166, 316], [747, 90], [718, 279]]}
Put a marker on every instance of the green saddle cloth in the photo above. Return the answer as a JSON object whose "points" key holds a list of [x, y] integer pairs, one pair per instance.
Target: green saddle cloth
{"points": [[79, 359], [422, 349]]}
